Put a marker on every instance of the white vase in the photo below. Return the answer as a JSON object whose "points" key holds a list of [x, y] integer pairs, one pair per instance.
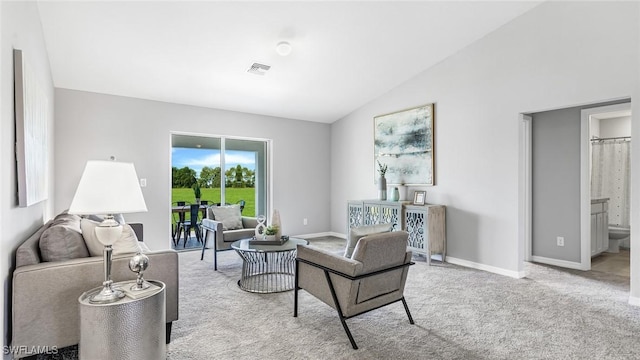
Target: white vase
{"points": [[275, 221], [402, 190]]}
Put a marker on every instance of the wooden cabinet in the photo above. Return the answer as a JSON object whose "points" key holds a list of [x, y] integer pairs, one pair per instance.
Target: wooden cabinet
{"points": [[425, 224], [599, 226], [427, 230]]}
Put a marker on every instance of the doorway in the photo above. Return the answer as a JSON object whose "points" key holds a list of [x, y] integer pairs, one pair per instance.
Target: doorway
{"points": [[210, 170], [567, 240], [606, 165]]}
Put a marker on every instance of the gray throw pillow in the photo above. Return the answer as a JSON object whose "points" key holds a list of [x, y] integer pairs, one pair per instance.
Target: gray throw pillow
{"points": [[357, 232], [229, 216], [63, 241]]}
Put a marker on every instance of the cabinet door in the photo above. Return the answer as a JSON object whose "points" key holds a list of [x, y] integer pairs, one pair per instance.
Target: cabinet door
{"points": [[390, 214], [354, 212], [594, 234], [415, 223], [603, 238], [371, 214]]}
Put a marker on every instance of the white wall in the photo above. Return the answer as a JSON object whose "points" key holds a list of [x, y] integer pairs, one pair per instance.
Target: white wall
{"points": [[542, 60], [615, 127], [96, 126], [21, 29]]}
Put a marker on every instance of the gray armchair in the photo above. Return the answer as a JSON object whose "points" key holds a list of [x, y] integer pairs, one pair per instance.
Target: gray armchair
{"points": [[373, 277], [213, 231]]}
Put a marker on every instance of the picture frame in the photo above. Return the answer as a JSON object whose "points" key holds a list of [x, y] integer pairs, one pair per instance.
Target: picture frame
{"points": [[404, 142], [419, 197], [32, 114]]}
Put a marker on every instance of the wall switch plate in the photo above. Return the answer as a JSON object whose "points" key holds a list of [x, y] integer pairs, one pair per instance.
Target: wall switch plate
{"points": [[143, 182], [304, 221], [560, 241]]}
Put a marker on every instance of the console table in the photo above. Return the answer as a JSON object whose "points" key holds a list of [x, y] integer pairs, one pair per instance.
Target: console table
{"points": [[425, 224]]}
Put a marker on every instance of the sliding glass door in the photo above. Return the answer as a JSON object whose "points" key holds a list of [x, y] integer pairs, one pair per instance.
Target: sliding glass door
{"points": [[227, 170]]}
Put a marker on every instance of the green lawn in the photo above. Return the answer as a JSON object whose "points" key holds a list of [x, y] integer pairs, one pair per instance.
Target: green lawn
{"points": [[213, 196]]}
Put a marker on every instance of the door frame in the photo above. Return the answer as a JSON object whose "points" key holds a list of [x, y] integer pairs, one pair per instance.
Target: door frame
{"points": [[585, 177]]}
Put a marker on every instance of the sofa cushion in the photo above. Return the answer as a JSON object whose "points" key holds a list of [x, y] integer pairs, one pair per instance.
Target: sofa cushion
{"points": [[229, 215], [63, 239], [357, 232], [126, 244]]}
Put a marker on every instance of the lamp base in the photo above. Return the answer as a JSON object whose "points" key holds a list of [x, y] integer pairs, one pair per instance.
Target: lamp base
{"points": [[107, 295]]}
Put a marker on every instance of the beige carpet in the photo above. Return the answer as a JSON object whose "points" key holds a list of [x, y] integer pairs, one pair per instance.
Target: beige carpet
{"points": [[460, 313]]}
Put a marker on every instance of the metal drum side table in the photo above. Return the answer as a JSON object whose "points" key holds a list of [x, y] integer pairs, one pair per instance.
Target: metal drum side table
{"points": [[125, 329], [267, 268]]}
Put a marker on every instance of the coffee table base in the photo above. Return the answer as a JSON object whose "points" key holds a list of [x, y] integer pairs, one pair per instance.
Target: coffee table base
{"points": [[267, 272]]}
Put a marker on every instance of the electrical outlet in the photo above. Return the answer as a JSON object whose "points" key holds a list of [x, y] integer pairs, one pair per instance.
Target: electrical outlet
{"points": [[143, 182], [304, 221], [560, 241]]}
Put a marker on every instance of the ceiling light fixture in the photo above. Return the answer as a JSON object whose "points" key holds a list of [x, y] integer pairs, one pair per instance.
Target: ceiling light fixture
{"points": [[283, 48]]}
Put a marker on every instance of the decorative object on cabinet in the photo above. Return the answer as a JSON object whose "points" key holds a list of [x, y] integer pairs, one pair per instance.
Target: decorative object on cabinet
{"points": [[395, 194], [419, 197], [425, 224], [404, 142], [382, 182]]}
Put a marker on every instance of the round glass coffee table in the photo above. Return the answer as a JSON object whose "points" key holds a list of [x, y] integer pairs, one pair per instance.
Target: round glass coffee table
{"points": [[267, 268]]}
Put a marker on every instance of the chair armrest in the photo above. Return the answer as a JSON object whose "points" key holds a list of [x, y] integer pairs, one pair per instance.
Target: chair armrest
{"points": [[337, 264], [212, 225], [215, 228]]}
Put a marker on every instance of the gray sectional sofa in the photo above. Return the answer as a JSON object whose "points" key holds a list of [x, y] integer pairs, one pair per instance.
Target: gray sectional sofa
{"points": [[45, 310]]}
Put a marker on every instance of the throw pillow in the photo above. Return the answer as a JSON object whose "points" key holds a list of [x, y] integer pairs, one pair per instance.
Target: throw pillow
{"points": [[228, 215], [126, 244], [357, 232], [63, 241]]}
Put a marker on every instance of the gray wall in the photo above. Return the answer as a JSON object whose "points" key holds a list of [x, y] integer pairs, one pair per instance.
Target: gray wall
{"points": [[544, 59], [556, 183], [20, 29], [96, 126]]}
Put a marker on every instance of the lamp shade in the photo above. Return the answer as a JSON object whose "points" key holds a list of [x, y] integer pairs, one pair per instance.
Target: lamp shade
{"points": [[108, 187]]}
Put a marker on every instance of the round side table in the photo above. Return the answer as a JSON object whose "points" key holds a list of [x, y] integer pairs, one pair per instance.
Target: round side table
{"points": [[126, 329]]}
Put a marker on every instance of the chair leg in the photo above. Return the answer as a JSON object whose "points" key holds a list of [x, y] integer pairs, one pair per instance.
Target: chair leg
{"points": [[406, 308], [204, 243], [295, 291], [339, 310], [215, 255]]}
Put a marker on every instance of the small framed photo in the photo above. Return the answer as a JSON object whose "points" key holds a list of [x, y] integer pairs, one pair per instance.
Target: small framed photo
{"points": [[419, 197]]}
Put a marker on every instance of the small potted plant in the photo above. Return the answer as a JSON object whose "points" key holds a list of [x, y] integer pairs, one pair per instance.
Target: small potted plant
{"points": [[196, 192], [270, 232]]}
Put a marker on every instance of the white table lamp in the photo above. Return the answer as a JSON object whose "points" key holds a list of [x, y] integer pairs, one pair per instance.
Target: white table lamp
{"points": [[108, 188]]}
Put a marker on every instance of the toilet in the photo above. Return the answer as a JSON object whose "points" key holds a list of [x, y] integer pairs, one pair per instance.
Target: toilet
{"points": [[617, 234]]}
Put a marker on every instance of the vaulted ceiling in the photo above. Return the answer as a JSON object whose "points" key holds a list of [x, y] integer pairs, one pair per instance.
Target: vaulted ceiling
{"points": [[344, 54]]}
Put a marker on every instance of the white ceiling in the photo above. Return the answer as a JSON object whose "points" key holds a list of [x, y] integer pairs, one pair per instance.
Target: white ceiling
{"points": [[344, 55]]}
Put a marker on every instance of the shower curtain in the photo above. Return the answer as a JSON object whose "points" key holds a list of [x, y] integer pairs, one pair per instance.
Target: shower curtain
{"points": [[611, 177]]}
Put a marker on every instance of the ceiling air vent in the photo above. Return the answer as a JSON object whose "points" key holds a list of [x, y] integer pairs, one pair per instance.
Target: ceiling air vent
{"points": [[258, 69]]}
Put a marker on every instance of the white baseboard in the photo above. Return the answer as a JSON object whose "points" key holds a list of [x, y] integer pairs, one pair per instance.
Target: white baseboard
{"points": [[489, 268], [635, 301], [556, 262], [322, 234]]}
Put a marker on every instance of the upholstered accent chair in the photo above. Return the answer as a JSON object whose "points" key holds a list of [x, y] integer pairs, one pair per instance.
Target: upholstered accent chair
{"points": [[373, 277], [224, 225]]}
